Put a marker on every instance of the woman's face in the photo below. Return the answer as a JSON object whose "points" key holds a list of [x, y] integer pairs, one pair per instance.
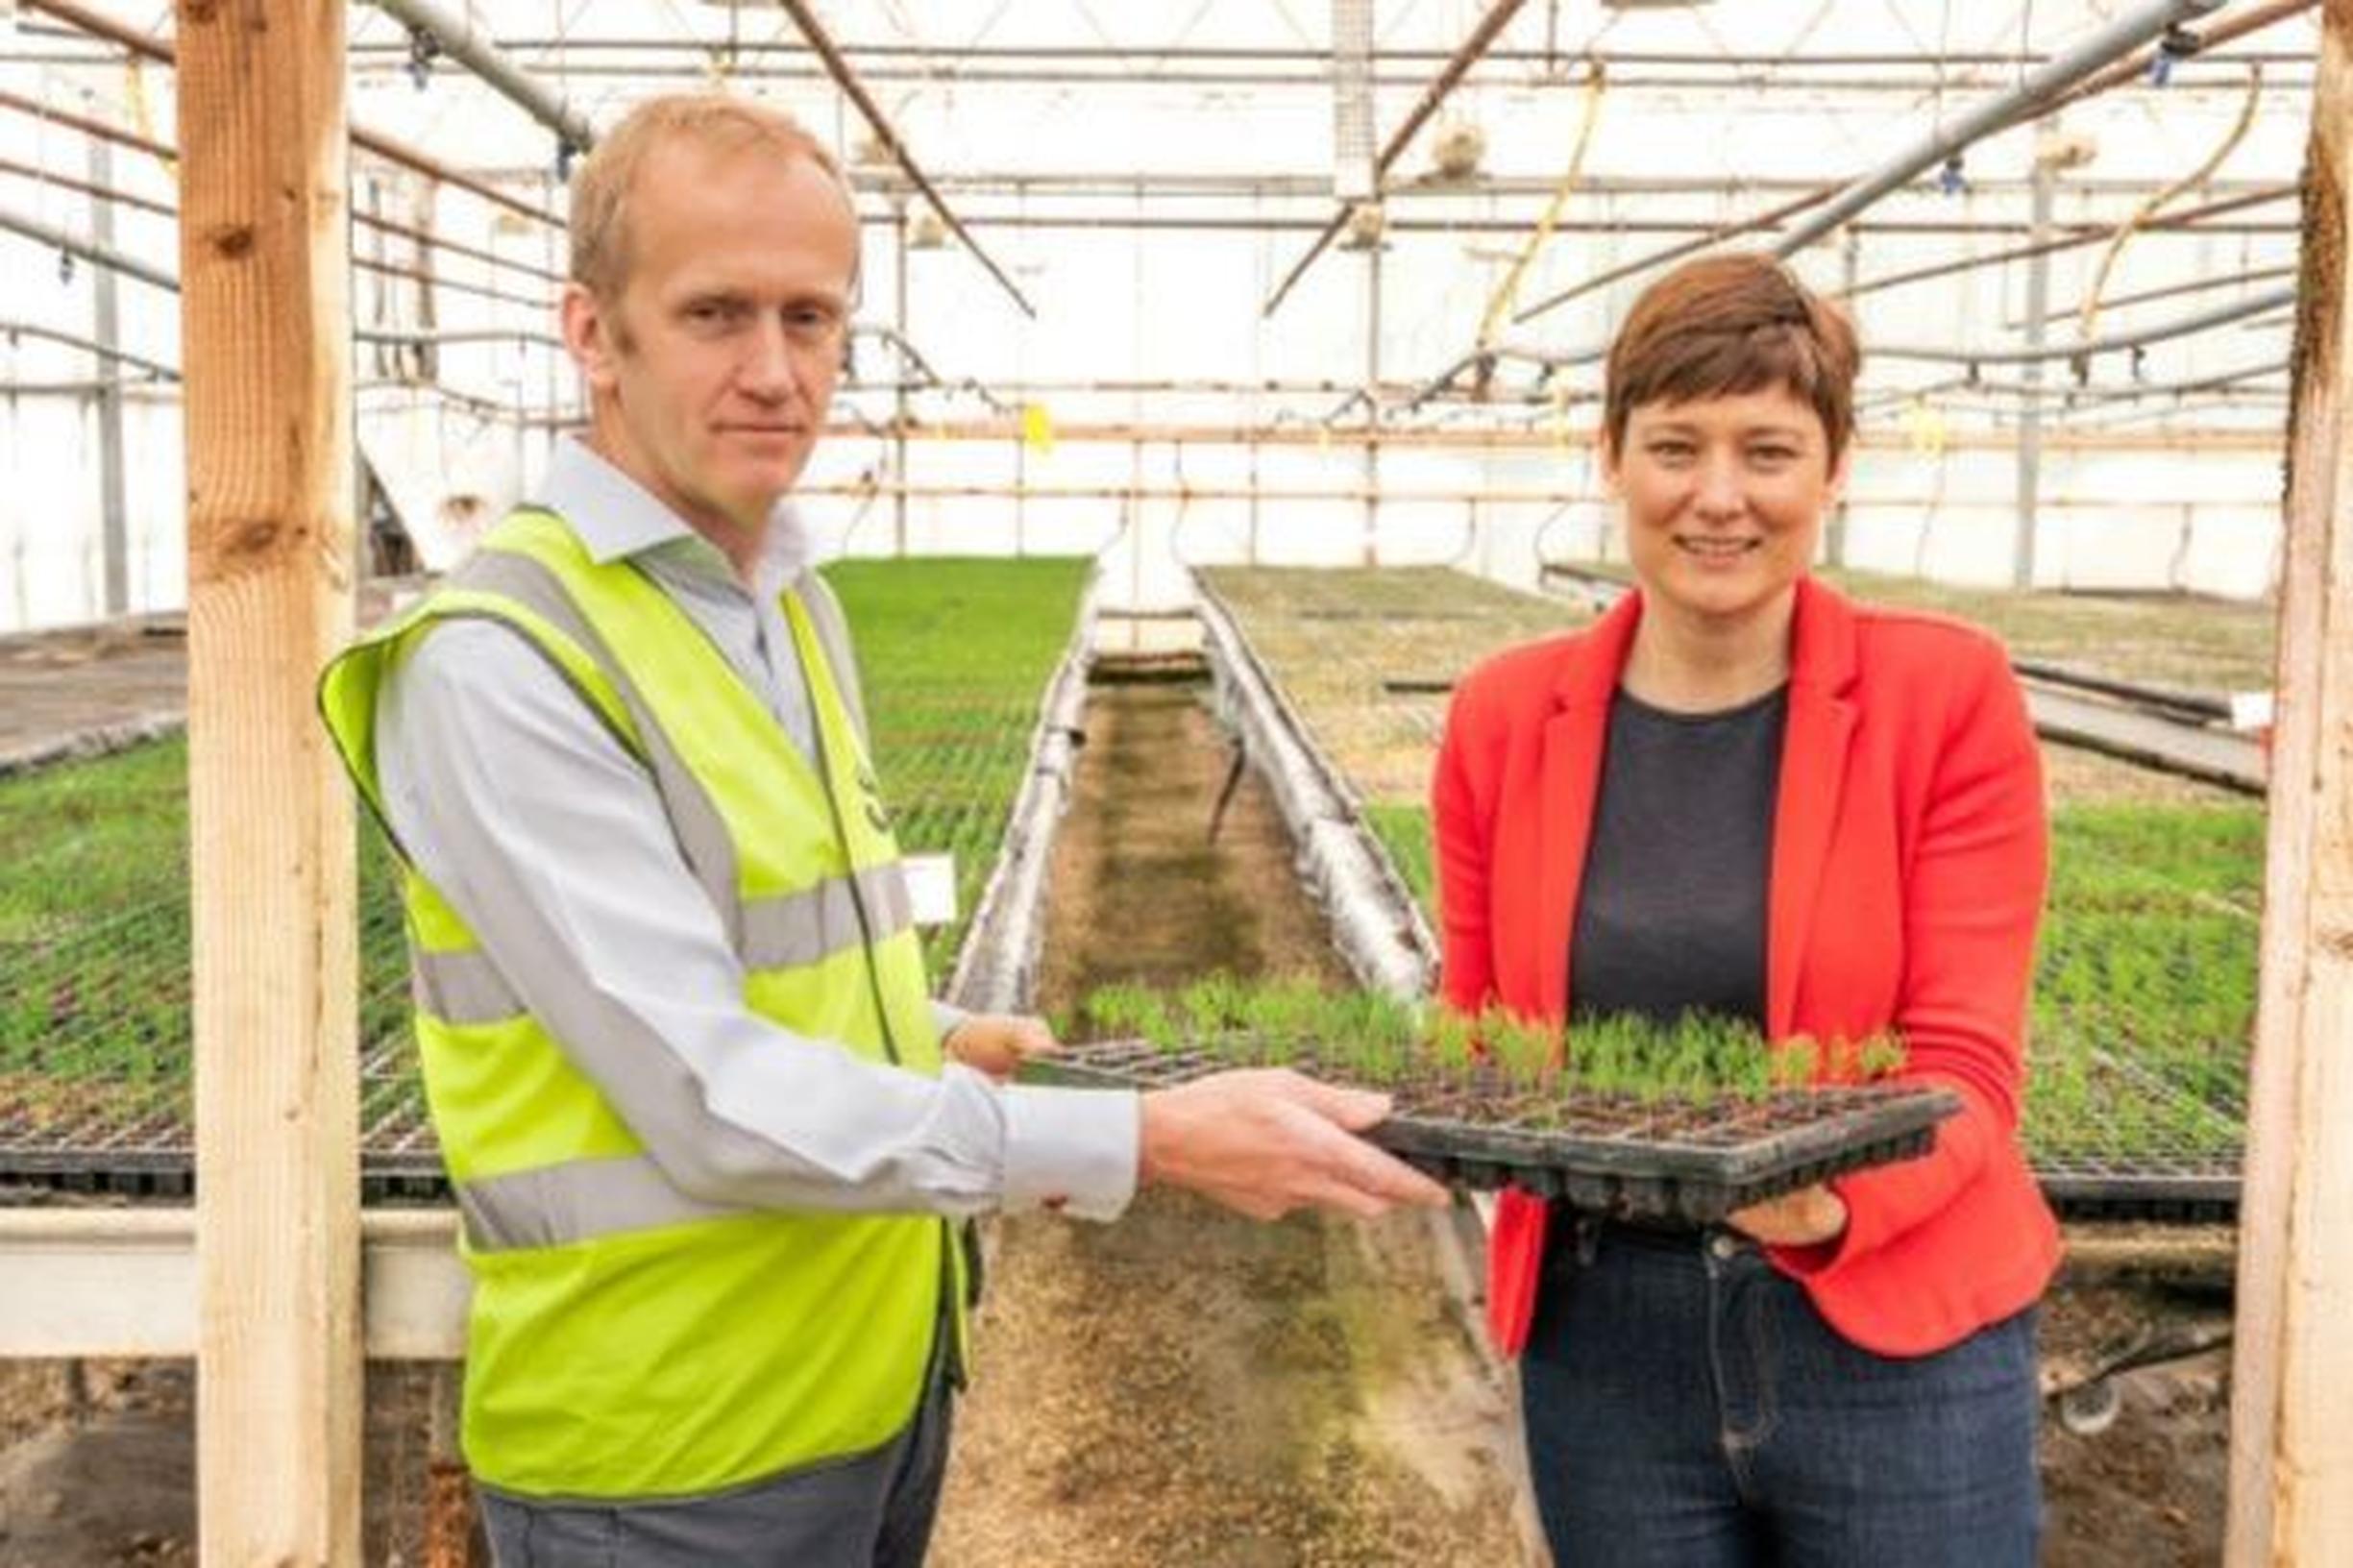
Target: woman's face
{"points": [[1723, 500]]}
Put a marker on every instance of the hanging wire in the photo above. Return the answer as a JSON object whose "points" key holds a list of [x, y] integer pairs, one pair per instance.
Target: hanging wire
{"points": [[2090, 319], [1498, 307]]}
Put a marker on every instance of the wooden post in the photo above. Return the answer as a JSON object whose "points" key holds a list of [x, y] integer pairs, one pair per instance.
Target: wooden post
{"points": [[266, 351], [2292, 1417]]}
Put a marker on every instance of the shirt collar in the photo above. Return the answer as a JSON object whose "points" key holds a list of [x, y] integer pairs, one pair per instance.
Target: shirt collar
{"points": [[617, 518]]}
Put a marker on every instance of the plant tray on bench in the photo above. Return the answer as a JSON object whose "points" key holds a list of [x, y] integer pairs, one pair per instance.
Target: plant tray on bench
{"points": [[1659, 1157]]}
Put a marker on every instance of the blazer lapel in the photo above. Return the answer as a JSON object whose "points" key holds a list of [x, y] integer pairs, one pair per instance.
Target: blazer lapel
{"points": [[1820, 727], [1574, 740]]}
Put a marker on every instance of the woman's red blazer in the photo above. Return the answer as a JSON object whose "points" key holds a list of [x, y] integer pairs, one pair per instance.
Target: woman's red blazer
{"points": [[1909, 856]]}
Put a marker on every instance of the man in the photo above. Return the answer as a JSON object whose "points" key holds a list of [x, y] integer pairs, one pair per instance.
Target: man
{"points": [[706, 1131]]}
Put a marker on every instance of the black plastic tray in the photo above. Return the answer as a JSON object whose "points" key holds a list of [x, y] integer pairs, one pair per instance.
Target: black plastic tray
{"points": [[1695, 1174]]}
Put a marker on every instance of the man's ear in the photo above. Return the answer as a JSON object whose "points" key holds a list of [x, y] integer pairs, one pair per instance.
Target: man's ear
{"points": [[590, 334]]}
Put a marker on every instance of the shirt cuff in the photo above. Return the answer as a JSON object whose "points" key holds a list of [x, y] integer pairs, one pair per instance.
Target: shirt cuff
{"points": [[946, 1017], [1073, 1149]]}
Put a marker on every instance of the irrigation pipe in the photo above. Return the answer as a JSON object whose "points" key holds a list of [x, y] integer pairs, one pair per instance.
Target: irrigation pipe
{"points": [[2053, 77], [457, 38], [997, 968], [1376, 925], [2252, 305], [95, 740]]}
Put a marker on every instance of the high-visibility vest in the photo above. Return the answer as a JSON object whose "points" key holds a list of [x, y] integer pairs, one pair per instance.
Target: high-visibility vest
{"points": [[627, 1340]]}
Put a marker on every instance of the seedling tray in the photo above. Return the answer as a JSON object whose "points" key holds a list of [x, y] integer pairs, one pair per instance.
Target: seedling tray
{"points": [[1661, 1159]]}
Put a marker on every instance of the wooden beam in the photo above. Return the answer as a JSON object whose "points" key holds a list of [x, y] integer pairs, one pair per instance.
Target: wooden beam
{"points": [[264, 266], [2291, 1418], [122, 1281]]}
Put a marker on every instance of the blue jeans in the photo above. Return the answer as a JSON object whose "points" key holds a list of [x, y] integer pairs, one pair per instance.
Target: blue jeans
{"points": [[1686, 1405]]}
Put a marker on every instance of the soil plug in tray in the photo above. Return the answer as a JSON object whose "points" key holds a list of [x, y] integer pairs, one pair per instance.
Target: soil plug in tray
{"points": [[1690, 1146], [1626, 1156]]}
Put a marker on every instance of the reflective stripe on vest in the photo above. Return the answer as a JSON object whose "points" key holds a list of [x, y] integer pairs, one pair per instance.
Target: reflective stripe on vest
{"points": [[790, 931], [629, 1340]]}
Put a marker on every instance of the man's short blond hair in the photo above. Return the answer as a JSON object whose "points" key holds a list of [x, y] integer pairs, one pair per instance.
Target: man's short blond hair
{"points": [[718, 121]]}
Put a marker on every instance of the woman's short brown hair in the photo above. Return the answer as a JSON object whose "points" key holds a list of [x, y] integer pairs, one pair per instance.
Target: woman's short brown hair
{"points": [[1727, 325]]}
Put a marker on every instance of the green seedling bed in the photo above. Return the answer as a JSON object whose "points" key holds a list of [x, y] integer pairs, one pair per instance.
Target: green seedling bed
{"points": [[1654, 1158], [111, 1135], [94, 920]]}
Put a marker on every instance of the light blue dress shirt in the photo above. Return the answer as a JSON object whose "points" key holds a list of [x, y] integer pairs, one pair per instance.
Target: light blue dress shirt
{"points": [[552, 842]]}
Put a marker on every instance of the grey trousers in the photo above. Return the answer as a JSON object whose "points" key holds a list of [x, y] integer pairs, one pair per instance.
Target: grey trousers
{"points": [[873, 1511]]}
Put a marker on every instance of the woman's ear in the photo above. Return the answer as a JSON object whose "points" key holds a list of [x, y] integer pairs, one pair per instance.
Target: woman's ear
{"points": [[1843, 465], [1605, 454]]}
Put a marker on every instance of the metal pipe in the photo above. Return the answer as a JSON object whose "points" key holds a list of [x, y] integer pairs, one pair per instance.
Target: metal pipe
{"points": [[2186, 218], [1675, 253], [114, 520], [927, 56], [88, 126], [2077, 392], [1216, 223], [1781, 85], [879, 123], [385, 147], [2170, 291], [2180, 327], [2235, 27], [2254, 304], [71, 340], [2176, 222], [457, 335], [1482, 35], [100, 130], [1305, 433], [460, 40], [2120, 36], [85, 187], [1187, 184], [2030, 417], [2228, 30], [58, 239], [914, 360]]}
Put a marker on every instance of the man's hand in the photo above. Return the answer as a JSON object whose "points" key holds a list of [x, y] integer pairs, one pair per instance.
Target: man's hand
{"points": [[1804, 1218], [997, 1043], [1268, 1140]]}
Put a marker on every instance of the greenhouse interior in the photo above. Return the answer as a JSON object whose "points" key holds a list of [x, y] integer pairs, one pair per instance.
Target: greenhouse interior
{"points": [[1191, 490]]}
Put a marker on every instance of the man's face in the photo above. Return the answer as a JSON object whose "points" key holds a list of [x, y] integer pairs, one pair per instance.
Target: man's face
{"points": [[713, 369]]}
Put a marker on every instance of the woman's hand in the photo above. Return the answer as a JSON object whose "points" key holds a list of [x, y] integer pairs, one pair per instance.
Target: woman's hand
{"points": [[997, 1043], [1804, 1218]]}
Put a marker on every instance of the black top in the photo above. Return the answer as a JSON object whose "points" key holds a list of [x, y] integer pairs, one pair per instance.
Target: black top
{"points": [[1671, 914]]}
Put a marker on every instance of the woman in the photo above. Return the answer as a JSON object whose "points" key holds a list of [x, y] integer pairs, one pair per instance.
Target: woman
{"points": [[1739, 793]]}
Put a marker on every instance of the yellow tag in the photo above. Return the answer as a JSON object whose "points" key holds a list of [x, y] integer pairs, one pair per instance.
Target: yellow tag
{"points": [[1923, 426], [1559, 421], [142, 117], [1038, 429]]}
